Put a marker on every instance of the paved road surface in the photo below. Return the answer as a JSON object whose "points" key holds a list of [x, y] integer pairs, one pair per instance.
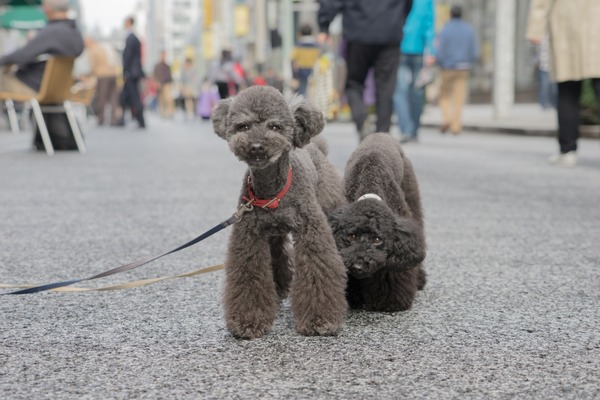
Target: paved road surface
{"points": [[511, 309]]}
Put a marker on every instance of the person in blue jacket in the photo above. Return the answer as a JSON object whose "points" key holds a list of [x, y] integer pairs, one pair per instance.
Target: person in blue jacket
{"points": [[457, 51], [416, 50]]}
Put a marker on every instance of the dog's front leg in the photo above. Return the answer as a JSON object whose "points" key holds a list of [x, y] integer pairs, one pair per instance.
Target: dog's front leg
{"points": [[319, 283], [391, 290], [250, 300]]}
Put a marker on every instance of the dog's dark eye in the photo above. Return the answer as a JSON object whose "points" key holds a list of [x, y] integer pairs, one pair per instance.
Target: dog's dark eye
{"points": [[274, 127], [377, 241], [242, 127], [352, 237]]}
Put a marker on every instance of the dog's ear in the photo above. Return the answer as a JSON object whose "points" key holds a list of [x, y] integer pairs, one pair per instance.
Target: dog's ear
{"points": [[308, 121], [408, 243], [335, 218], [219, 117]]}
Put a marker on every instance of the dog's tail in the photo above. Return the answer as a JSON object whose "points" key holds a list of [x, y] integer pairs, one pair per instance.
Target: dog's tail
{"points": [[321, 144]]}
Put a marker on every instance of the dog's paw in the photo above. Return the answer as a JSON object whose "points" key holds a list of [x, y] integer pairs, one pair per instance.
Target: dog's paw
{"points": [[319, 327], [389, 306], [249, 324], [248, 330]]}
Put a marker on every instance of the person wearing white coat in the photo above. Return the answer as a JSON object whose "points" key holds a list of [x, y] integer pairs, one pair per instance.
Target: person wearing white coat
{"points": [[574, 30]]}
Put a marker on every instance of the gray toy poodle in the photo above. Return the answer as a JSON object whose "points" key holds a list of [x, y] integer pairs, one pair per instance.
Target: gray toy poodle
{"points": [[290, 186], [380, 233]]}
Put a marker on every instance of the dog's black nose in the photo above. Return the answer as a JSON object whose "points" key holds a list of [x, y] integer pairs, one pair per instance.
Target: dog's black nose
{"points": [[256, 148]]}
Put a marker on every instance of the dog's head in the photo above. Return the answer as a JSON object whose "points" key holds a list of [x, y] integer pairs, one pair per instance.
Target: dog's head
{"points": [[260, 125], [369, 237]]}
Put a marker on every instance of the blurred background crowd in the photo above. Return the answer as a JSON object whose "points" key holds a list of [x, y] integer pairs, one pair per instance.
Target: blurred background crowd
{"points": [[194, 52], [254, 31]]}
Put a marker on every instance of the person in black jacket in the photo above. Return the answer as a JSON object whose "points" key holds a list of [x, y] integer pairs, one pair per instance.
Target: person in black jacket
{"points": [[373, 32], [132, 74], [59, 38]]}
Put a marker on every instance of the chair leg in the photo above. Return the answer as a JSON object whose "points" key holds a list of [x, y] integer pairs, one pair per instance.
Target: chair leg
{"points": [[12, 116], [39, 119], [74, 126], [24, 121]]}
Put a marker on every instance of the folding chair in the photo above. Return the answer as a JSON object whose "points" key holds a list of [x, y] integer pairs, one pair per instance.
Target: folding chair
{"points": [[53, 97], [82, 95]]}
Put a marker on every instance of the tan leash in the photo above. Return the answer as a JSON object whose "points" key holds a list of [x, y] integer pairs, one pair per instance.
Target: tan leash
{"points": [[123, 286], [236, 217]]}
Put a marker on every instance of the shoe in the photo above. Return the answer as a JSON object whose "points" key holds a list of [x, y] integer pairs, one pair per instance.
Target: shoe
{"points": [[444, 128], [408, 139], [364, 130], [568, 159]]}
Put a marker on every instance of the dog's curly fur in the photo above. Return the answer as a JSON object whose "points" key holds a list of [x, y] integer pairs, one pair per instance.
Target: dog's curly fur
{"points": [[381, 242], [271, 134]]}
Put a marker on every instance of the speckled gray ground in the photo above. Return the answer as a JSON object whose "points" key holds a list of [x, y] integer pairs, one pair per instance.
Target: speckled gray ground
{"points": [[511, 309]]}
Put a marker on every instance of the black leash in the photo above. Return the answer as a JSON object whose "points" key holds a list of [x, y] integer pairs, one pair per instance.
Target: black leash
{"points": [[236, 217]]}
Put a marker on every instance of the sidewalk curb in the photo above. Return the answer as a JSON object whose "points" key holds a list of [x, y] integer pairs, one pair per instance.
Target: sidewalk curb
{"points": [[500, 129], [589, 132]]}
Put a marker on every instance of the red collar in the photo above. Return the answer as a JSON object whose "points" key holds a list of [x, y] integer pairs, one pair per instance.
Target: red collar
{"points": [[268, 203]]}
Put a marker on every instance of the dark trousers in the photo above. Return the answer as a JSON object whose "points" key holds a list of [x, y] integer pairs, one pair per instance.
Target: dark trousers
{"points": [[384, 60], [409, 99], [106, 93], [130, 97], [225, 88], [303, 75], [568, 110]]}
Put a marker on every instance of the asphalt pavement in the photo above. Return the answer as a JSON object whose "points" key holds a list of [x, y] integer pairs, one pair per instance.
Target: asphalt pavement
{"points": [[511, 308]]}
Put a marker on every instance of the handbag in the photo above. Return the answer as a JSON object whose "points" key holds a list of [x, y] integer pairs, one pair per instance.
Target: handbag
{"points": [[425, 77]]}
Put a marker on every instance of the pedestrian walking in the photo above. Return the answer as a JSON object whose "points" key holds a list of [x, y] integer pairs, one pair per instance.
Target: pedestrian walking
{"points": [[224, 75], [457, 50], [207, 99], [188, 86], [162, 75], [321, 87], [132, 75], [105, 66], [150, 94], [373, 32], [304, 56], [416, 51], [574, 56]]}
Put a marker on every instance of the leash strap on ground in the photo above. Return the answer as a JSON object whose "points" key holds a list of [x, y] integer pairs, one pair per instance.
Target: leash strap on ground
{"points": [[236, 217], [123, 286]]}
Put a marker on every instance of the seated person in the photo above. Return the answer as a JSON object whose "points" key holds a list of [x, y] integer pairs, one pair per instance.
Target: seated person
{"points": [[59, 38]]}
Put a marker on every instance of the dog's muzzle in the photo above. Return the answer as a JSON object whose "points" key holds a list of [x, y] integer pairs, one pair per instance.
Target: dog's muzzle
{"points": [[359, 271], [257, 151]]}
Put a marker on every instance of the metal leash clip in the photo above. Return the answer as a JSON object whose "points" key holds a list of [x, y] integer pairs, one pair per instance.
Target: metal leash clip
{"points": [[242, 209]]}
